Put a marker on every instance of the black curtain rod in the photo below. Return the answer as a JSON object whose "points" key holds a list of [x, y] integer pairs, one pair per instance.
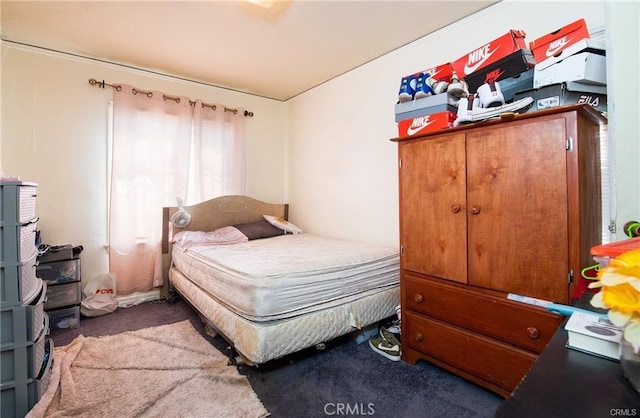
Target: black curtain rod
{"points": [[117, 87]]}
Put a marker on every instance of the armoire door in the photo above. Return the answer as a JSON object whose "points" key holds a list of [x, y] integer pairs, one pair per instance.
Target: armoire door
{"points": [[517, 209], [433, 225]]}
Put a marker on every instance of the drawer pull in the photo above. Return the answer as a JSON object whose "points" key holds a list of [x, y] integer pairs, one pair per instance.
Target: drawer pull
{"points": [[419, 337], [417, 298], [475, 210], [455, 208], [533, 332]]}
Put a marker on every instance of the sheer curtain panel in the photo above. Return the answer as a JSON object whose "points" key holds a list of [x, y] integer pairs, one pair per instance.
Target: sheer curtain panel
{"points": [[162, 149]]}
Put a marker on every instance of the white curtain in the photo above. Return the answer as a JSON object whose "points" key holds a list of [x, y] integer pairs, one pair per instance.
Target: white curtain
{"points": [[164, 148]]}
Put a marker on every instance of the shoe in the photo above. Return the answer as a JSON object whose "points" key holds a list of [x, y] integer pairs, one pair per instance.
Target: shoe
{"points": [[385, 348], [490, 94], [407, 88], [423, 89], [437, 86], [391, 326], [389, 336], [466, 108], [457, 87]]}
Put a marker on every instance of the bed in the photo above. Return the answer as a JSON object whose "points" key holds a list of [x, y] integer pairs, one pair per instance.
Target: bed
{"points": [[273, 295]]}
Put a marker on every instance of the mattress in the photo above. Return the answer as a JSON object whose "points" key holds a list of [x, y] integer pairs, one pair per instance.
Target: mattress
{"points": [[261, 342], [286, 276]]}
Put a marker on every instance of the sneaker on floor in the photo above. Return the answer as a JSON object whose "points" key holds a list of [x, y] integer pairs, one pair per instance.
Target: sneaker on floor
{"points": [[389, 336], [385, 348], [391, 326]]}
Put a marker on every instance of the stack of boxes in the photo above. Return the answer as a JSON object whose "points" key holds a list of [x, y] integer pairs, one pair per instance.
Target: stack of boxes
{"points": [[562, 67]]}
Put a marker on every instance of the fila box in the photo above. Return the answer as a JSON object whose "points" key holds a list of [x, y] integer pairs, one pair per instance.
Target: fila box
{"points": [[427, 123], [568, 93], [555, 42], [489, 53]]}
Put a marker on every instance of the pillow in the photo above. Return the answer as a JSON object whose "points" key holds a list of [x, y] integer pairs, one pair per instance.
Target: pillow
{"points": [[221, 236], [286, 226], [259, 229]]}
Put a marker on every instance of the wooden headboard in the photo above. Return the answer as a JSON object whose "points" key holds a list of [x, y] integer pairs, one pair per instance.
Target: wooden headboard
{"points": [[213, 214]]}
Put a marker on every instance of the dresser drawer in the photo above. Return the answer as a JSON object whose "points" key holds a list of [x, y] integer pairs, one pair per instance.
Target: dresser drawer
{"points": [[490, 360], [63, 271], [512, 322]]}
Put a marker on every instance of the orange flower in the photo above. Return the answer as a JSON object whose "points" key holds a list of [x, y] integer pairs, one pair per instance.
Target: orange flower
{"points": [[620, 293]]}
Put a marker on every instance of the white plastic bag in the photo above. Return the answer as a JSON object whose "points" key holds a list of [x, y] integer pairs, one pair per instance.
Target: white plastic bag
{"points": [[99, 295]]}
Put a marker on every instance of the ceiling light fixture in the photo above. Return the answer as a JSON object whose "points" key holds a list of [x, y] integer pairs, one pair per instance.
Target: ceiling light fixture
{"points": [[262, 3]]}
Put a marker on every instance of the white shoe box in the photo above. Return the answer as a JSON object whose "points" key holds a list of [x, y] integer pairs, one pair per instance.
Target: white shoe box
{"points": [[584, 67]]}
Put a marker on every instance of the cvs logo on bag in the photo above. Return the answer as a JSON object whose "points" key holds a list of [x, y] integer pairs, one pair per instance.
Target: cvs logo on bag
{"points": [[104, 291]]}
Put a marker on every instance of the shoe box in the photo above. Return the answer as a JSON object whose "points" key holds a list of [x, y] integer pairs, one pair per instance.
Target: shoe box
{"points": [[566, 93], [512, 85], [489, 53], [511, 65], [427, 123], [585, 67], [553, 43], [408, 84], [425, 106]]}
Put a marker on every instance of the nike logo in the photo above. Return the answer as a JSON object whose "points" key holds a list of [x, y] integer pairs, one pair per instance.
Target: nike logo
{"points": [[556, 46], [419, 124], [479, 57], [381, 346]]}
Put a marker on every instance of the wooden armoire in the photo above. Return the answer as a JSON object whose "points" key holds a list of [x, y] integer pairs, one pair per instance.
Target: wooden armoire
{"points": [[490, 209]]}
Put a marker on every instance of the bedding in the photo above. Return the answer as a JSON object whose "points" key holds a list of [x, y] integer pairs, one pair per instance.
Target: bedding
{"points": [[272, 293]]}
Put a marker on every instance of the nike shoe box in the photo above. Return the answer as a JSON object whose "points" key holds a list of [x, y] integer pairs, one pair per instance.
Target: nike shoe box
{"points": [[427, 123], [425, 106], [568, 93], [553, 43], [489, 53], [585, 67], [512, 85], [408, 83], [442, 72], [512, 65]]}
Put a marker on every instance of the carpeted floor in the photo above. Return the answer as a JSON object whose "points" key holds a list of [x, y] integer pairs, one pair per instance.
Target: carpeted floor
{"points": [[344, 379]]}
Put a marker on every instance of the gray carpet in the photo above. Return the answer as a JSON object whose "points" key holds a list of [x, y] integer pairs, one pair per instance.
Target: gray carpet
{"points": [[344, 379]]}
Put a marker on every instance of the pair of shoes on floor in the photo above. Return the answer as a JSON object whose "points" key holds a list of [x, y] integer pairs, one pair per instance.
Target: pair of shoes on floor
{"points": [[387, 343]]}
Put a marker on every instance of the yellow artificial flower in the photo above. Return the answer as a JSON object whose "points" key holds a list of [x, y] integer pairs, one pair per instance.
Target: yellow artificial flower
{"points": [[620, 294]]}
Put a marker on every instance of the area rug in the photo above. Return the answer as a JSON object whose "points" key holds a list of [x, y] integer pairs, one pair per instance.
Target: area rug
{"points": [[164, 371]]}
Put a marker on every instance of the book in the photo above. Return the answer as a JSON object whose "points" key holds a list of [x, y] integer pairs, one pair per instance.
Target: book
{"points": [[594, 334]]}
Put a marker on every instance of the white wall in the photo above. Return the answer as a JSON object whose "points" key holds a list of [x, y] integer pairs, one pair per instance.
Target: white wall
{"points": [[343, 167], [54, 131]]}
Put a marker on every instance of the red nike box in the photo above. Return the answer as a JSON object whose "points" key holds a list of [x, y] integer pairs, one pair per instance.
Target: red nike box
{"points": [[489, 53], [427, 123], [441, 72], [555, 42]]}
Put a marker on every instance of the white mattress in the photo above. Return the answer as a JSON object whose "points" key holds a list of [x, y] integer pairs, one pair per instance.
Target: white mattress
{"points": [[286, 276], [261, 342]]}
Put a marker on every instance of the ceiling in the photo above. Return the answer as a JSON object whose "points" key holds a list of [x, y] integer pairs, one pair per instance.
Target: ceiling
{"points": [[277, 52]]}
